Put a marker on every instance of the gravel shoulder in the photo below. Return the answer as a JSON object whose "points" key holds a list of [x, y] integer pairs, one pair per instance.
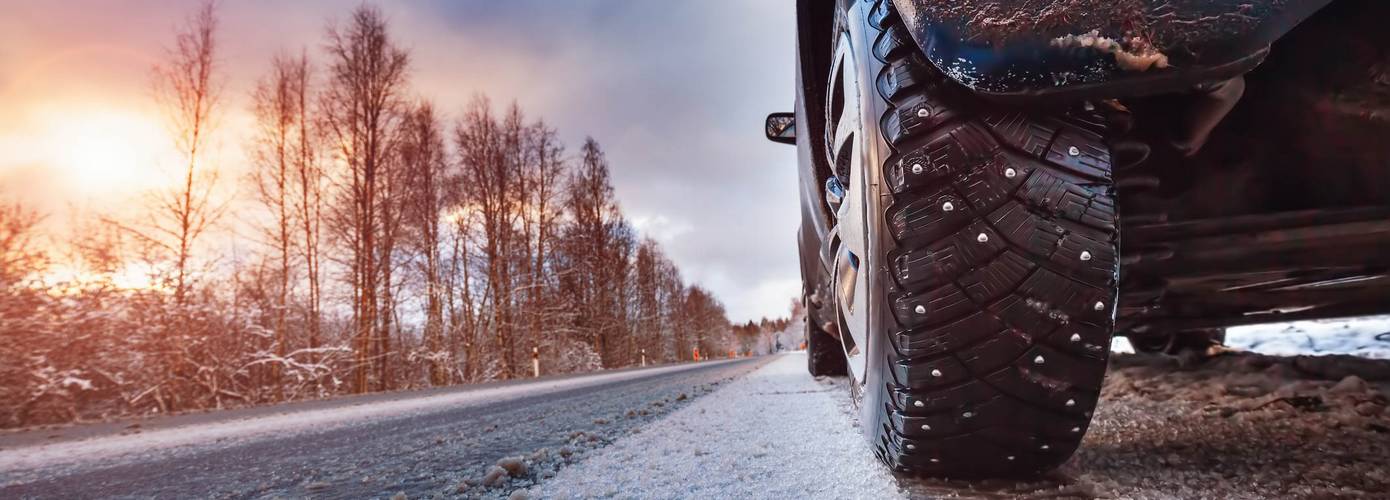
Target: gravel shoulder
{"points": [[1240, 425]]}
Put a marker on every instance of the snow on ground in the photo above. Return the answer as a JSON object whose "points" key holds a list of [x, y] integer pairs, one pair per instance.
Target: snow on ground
{"points": [[1367, 336], [791, 337], [109, 449], [1359, 336], [776, 433]]}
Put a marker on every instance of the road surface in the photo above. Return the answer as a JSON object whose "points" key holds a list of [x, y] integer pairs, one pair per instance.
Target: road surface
{"points": [[1239, 426], [416, 444]]}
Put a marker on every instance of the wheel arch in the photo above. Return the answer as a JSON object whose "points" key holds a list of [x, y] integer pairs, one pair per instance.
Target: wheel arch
{"points": [[1068, 55]]}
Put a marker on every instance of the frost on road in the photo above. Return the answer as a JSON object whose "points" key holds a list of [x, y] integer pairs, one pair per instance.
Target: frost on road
{"points": [[428, 444], [229, 432], [776, 433]]}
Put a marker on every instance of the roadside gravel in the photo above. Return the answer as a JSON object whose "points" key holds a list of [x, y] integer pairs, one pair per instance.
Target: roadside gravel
{"points": [[1238, 426]]}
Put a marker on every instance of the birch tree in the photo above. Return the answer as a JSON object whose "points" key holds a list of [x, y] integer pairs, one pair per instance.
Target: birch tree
{"points": [[360, 107], [275, 103], [189, 88], [423, 159]]}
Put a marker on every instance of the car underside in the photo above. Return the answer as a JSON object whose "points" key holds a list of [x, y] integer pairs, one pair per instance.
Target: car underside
{"points": [[1284, 213]]}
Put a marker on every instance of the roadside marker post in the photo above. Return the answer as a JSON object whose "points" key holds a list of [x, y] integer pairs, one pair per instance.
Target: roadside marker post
{"points": [[535, 362], [644, 357]]}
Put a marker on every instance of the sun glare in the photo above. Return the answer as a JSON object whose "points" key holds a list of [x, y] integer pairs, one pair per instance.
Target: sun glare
{"points": [[105, 150], [66, 278]]}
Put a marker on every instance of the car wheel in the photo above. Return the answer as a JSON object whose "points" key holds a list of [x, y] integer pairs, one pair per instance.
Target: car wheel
{"points": [[976, 272]]}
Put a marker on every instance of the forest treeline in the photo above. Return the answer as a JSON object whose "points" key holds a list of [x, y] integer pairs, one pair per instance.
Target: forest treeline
{"points": [[391, 247]]}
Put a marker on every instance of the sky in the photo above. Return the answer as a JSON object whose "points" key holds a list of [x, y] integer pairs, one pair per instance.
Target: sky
{"points": [[674, 90]]}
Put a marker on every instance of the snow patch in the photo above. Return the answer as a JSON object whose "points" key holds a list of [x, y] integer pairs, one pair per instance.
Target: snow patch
{"points": [[776, 433], [1366, 336], [1131, 54]]}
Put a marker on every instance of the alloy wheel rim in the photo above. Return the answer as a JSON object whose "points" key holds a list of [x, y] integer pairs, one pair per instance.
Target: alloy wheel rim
{"points": [[845, 139]]}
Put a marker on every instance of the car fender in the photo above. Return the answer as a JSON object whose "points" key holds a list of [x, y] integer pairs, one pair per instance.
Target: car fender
{"points": [[1094, 48]]}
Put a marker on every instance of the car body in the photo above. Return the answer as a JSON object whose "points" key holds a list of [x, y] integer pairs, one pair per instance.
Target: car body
{"points": [[991, 190], [1186, 269]]}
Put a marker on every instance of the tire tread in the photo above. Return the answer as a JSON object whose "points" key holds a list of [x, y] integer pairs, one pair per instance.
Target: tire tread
{"points": [[1000, 275]]}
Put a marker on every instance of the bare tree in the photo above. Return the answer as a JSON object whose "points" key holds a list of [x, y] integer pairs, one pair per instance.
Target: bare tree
{"points": [[21, 329], [464, 305], [275, 103], [672, 295], [309, 177], [391, 202], [706, 322], [360, 105], [288, 180], [188, 89], [599, 244], [425, 164], [540, 190], [492, 182], [647, 322], [20, 257]]}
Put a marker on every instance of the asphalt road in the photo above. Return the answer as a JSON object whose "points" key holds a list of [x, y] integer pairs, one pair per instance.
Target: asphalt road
{"points": [[431, 447], [1240, 425]]}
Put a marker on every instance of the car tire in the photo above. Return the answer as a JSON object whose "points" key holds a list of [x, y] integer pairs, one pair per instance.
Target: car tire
{"points": [[991, 257], [825, 357]]}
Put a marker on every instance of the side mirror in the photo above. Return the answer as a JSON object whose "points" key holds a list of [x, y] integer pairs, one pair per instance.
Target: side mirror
{"points": [[781, 127]]}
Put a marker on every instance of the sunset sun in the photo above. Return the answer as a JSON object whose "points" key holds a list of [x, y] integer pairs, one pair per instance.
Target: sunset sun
{"points": [[105, 150]]}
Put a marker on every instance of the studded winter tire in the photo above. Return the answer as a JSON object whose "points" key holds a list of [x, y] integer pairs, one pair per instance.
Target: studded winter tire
{"points": [[975, 274]]}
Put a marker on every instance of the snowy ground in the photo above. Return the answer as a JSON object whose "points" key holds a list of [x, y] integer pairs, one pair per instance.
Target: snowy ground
{"points": [[1367, 336], [776, 433]]}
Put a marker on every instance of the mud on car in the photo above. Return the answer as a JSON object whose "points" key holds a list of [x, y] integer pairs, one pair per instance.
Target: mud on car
{"points": [[991, 189]]}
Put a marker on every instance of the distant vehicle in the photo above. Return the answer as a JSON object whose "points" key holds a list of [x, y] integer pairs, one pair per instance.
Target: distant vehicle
{"points": [[966, 167]]}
